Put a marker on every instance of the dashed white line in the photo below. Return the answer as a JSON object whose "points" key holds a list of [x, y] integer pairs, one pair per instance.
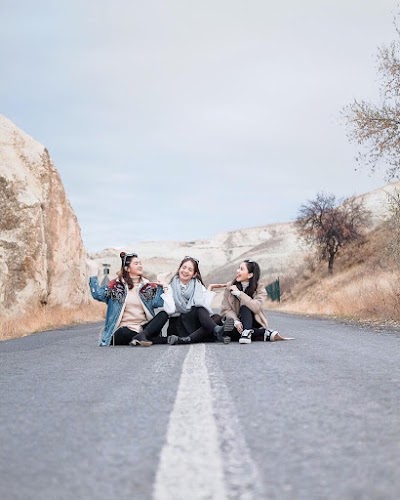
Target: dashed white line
{"points": [[205, 455], [190, 462]]}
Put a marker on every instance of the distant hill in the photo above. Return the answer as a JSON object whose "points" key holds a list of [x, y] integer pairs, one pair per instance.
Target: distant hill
{"points": [[275, 247]]}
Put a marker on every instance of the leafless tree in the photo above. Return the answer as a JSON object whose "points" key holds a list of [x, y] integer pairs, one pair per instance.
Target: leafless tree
{"points": [[376, 127], [329, 226], [394, 225]]}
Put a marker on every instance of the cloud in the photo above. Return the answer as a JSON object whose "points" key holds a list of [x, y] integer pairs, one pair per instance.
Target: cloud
{"points": [[183, 119]]}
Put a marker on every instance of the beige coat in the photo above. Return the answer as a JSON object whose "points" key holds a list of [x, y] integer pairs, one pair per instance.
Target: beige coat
{"points": [[230, 304]]}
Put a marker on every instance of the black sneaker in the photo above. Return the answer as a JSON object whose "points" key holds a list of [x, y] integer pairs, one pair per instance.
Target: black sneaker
{"points": [[140, 339], [220, 331], [245, 337]]}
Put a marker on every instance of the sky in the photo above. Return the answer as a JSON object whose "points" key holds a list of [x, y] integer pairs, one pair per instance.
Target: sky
{"points": [[180, 119]]}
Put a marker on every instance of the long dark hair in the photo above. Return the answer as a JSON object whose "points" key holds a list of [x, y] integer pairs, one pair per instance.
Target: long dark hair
{"points": [[123, 273], [195, 263], [254, 268]]}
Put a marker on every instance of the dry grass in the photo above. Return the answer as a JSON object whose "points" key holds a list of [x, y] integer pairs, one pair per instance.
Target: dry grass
{"points": [[365, 285], [47, 318], [373, 296]]}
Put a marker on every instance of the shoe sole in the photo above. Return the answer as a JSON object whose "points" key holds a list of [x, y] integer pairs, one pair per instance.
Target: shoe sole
{"points": [[229, 325], [142, 343], [244, 341]]}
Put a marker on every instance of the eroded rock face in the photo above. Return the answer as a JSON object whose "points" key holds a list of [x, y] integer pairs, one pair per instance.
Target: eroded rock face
{"points": [[42, 258]]}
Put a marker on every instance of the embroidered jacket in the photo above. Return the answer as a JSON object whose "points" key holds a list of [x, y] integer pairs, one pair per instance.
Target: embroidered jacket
{"points": [[114, 294]]}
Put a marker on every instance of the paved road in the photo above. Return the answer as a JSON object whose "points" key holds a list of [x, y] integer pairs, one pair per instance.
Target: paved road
{"points": [[316, 418]]}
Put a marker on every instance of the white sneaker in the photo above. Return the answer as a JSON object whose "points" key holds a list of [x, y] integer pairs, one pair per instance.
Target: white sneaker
{"points": [[273, 336], [245, 338]]}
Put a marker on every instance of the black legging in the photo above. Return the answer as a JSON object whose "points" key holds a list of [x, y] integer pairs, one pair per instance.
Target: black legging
{"points": [[249, 322], [197, 323], [151, 330]]}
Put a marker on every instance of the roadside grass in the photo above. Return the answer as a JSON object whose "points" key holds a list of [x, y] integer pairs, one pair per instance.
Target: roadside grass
{"points": [[364, 286], [47, 318]]}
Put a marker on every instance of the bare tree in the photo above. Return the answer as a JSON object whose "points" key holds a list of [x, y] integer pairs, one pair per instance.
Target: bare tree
{"points": [[376, 127], [394, 226], [328, 226]]}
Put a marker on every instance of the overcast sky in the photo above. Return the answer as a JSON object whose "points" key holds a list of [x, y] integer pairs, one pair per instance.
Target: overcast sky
{"points": [[181, 119]]}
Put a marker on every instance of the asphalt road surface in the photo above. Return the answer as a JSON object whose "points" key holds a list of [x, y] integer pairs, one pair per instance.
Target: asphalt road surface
{"points": [[313, 418]]}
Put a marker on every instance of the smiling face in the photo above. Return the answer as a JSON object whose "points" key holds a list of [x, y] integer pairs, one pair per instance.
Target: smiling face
{"points": [[186, 272], [135, 267], [242, 273]]}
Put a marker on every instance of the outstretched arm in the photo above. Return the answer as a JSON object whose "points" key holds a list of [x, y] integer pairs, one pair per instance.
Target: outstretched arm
{"points": [[98, 292], [215, 285]]}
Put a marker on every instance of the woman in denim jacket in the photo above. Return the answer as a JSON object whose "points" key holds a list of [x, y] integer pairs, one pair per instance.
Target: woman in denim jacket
{"points": [[131, 300]]}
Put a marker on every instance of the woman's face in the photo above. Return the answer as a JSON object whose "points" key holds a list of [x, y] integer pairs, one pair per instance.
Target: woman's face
{"points": [[186, 272], [242, 273], [135, 267]]}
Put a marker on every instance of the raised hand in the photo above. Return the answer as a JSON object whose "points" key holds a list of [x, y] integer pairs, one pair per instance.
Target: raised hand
{"points": [[92, 267]]}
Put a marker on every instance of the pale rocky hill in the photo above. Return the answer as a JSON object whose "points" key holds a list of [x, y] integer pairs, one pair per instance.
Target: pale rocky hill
{"points": [[377, 200], [275, 247], [42, 258]]}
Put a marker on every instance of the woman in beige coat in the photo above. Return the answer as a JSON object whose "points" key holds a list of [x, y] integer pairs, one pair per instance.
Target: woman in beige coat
{"points": [[243, 301]]}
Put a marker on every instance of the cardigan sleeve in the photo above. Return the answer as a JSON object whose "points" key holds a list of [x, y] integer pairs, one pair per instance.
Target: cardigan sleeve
{"points": [[169, 303], [226, 308]]}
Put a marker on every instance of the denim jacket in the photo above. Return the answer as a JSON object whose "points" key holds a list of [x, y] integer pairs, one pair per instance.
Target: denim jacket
{"points": [[114, 294]]}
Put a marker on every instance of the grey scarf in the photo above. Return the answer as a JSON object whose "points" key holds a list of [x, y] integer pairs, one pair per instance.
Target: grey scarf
{"points": [[189, 296]]}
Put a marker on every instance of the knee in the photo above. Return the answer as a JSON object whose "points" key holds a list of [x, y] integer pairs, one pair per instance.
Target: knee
{"points": [[217, 319]]}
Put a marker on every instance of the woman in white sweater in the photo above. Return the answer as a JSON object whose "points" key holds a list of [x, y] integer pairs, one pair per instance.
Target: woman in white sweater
{"points": [[194, 320]]}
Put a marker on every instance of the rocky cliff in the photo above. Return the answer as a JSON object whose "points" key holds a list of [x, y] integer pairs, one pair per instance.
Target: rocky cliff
{"points": [[42, 258]]}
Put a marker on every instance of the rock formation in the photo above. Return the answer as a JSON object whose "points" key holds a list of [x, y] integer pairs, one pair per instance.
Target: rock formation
{"points": [[42, 258]]}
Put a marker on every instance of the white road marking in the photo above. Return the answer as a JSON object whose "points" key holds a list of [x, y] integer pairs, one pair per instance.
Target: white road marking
{"points": [[190, 462], [242, 477]]}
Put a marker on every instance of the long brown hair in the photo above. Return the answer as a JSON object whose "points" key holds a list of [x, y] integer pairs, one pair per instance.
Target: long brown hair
{"points": [[195, 263]]}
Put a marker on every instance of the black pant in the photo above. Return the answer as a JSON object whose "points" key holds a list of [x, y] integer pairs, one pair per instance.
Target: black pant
{"points": [[197, 323], [151, 330], [249, 322]]}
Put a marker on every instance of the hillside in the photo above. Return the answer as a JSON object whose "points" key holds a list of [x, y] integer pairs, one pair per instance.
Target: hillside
{"points": [[364, 286], [275, 247]]}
